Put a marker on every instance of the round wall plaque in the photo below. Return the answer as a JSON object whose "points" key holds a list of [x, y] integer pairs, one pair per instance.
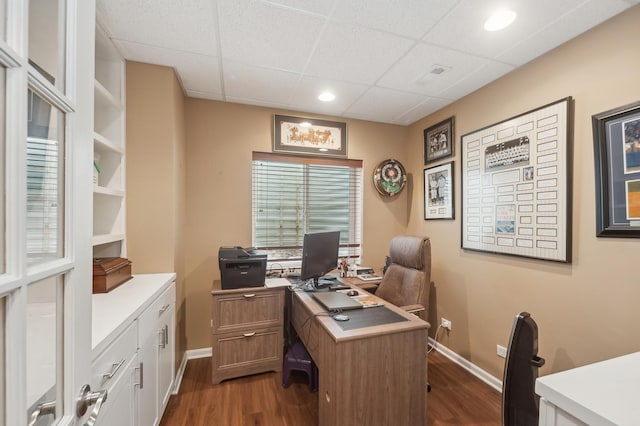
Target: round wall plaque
{"points": [[389, 178]]}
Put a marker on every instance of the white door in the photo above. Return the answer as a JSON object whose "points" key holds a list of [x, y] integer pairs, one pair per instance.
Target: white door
{"points": [[46, 120]]}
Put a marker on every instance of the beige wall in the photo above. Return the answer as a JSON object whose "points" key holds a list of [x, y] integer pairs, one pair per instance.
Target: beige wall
{"points": [[155, 166], [221, 137], [587, 310]]}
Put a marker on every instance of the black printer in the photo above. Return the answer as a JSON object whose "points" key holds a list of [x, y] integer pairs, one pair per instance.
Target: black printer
{"points": [[241, 267]]}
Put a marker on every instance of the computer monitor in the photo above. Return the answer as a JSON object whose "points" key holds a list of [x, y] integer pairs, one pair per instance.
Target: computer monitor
{"points": [[319, 256]]}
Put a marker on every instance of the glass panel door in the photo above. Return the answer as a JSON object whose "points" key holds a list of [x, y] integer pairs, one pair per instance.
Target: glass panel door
{"points": [[44, 348], [47, 39], [45, 180]]}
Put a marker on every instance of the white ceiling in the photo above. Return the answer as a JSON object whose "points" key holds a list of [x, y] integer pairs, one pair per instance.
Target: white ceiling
{"points": [[375, 55]]}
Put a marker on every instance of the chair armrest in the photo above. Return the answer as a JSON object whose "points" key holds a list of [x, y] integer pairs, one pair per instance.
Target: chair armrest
{"points": [[413, 309]]}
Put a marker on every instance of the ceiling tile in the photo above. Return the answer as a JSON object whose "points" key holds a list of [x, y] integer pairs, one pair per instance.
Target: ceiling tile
{"points": [[473, 81], [186, 25], [566, 27], [258, 33], [196, 72], [413, 73], [429, 106], [409, 18], [323, 8], [260, 84], [350, 53], [382, 104], [463, 28], [306, 95]]}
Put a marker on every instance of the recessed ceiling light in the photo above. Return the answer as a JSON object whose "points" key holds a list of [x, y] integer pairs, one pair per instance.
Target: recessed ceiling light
{"points": [[499, 20], [326, 96]]}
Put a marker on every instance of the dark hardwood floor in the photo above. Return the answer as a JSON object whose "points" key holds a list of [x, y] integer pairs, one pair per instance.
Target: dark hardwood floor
{"points": [[456, 398]]}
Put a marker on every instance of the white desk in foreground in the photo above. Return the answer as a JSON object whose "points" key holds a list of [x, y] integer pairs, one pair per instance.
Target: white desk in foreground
{"points": [[603, 393]]}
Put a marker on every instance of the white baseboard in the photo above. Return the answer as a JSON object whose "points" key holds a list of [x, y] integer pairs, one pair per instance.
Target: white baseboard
{"points": [[468, 365], [190, 354]]}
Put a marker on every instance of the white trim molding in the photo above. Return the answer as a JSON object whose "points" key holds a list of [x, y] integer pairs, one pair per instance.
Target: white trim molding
{"points": [[467, 365], [190, 354]]}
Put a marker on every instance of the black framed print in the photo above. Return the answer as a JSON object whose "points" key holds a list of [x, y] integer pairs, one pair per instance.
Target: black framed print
{"points": [[438, 192], [516, 184], [616, 142], [438, 141]]}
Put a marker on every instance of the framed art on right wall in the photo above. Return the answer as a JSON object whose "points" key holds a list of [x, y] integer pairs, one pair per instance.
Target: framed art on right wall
{"points": [[616, 143], [516, 185]]}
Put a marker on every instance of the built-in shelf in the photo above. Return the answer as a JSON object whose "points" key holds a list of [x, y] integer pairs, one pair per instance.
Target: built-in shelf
{"points": [[109, 191]]}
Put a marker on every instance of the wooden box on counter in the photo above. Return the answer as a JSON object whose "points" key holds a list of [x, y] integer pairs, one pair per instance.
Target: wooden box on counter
{"points": [[109, 273]]}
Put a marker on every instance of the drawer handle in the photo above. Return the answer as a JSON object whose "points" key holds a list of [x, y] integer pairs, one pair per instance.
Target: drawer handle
{"points": [[249, 296], [114, 369], [249, 334], [164, 308]]}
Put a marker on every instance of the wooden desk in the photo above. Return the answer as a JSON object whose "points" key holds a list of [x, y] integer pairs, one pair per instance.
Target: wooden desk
{"points": [[603, 393], [374, 375]]}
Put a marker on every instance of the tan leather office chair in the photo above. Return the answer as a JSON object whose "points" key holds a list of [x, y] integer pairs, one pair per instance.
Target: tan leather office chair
{"points": [[407, 281]]}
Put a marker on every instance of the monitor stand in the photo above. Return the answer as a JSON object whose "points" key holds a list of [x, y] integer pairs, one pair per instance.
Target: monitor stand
{"points": [[322, 284]]}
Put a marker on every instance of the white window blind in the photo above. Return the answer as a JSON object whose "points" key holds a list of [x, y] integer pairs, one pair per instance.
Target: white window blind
{"points": [[294, 195], [45, 171]]}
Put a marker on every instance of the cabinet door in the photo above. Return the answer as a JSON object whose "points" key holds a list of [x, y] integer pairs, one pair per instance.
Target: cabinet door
{"points": [[148, 356], [166, 356], [120, 406]]}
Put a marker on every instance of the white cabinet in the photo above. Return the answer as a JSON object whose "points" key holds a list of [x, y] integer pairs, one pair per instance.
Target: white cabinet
{"points": [[133, 347], [115, 370], [109, 150], [156, 334], [604, 393]]}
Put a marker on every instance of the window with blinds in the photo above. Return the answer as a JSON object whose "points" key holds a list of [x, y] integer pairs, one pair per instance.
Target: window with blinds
{"points": [[294, 195]]}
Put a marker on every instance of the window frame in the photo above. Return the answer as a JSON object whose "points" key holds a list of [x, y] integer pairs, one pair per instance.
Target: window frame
{"points": [[352, 249]]}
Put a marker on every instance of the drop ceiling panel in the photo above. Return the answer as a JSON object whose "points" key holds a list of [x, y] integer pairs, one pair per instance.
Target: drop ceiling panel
{"points": [[306, 95], [480, 77], [186, 25], [196, 72], [356, 54], [378, 102], [415, 72], [409, 18], [566, 27], [260, 34], [259, 84]]}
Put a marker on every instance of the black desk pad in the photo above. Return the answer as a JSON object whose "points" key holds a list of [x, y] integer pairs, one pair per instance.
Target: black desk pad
{"points": [[368, 317]]}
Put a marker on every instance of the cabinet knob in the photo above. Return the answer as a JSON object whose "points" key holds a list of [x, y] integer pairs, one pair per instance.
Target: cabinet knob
{"points": [[249, 334], [249, 296]]}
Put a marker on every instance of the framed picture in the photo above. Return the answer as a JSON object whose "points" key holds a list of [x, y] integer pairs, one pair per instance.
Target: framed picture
{"points": [[307, 136], [616, 142], [438, 141], [438, 192], [516, 180]]}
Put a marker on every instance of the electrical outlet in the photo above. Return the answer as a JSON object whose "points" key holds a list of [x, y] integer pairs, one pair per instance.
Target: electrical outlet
{"points": [[501, 351], [445, 323]]}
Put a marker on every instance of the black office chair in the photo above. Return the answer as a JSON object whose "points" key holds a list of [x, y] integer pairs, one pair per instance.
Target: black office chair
{"points": [[519, 400]]}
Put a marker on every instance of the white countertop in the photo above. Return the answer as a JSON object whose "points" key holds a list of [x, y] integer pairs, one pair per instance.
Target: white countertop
{"points": [[603, 393], [113, 312]]}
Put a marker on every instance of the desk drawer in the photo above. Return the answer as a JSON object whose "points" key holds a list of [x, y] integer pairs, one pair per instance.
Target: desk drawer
{"points": [[250, 308], [249, 352]]}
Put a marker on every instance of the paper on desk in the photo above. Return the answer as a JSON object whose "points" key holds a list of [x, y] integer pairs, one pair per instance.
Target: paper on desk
{"points": [[276, 282]]}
